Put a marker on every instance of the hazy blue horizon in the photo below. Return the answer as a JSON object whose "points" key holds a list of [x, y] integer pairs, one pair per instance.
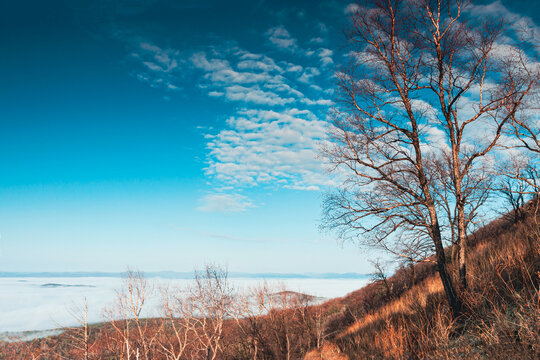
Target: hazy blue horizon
{"points": [[183, 275]]}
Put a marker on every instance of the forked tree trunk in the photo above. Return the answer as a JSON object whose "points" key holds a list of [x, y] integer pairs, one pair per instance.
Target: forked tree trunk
{"points": [[435, 231]]}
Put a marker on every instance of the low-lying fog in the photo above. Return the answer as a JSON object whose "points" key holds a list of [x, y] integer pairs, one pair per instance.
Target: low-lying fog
{"points": [[35, 304]]}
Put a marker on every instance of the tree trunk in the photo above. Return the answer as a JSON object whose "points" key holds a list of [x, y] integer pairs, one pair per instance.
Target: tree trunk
{"points": [[453, 299], [463, 264], [462, 247], [435, 233], [127, 348], [288, 347], [455, 251]]}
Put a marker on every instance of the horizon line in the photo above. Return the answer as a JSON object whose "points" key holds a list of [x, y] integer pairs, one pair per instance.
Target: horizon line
{"points": [[182, 274]]}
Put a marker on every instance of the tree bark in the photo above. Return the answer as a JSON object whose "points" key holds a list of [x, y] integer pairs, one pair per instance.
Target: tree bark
{"points": [[453, 300], [462, 255], [460, 207]]}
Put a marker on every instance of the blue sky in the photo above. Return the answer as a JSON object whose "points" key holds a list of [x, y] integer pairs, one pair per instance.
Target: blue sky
{"points": [[165, 134]]}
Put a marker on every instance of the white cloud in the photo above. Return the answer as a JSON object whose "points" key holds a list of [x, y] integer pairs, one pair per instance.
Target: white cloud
{"points": [[274, 140], [294, 67], [265, 146], [308, 74], [323, 102], [243, 54], [325, 52], [225, 203], [264, 84], [265, 64], [280, 37], [255, 95], [436, 140], [272, 145], [229, 76], [285, 88], [525, 27], [495, 9], [159, 65], [351, 8], [200, 61], [326, 56], [260, 85], [163, 59]]}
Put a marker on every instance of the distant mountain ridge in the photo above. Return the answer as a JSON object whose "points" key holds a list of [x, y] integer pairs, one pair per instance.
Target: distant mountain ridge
{"points": [[184, 275]]}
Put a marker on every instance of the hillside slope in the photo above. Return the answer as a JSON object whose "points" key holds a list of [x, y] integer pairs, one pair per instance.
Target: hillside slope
{"points": [[408, 318]]}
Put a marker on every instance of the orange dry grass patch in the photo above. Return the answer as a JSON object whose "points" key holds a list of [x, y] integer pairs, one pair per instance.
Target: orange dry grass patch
{"points": [[328, 351], [406, 304]]}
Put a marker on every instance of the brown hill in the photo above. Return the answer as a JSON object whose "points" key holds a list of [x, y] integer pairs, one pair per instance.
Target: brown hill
{"points": [[408, 317]]}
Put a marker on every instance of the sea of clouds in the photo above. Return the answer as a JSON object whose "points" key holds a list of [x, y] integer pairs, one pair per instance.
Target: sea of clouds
{"points": [[38, 304]]}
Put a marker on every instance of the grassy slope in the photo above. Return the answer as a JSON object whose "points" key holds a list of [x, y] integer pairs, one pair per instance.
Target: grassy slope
{"points": [[412, 320]]}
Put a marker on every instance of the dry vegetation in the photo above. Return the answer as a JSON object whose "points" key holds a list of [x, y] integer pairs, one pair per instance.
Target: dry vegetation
{"points": [[502, 317], [403, 317]]}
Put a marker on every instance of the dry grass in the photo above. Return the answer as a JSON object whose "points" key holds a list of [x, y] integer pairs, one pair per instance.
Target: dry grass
{"points": [[328, 351], [406, 304], [502, 317]]}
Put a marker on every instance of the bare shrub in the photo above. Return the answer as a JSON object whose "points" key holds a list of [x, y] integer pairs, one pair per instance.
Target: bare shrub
{"points": [[278, 324], [133, 335]]}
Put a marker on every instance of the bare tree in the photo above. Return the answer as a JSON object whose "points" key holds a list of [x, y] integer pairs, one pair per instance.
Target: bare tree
{"points": [[277, 323], [80, 336], [514, 191], [179, 328], [522, 171], [520, 182], [137, 335], [379, 276], [207, 305], [17, 347], [249, 310], [426, 85], [526, 129], [520, 188], [470, 70]]}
